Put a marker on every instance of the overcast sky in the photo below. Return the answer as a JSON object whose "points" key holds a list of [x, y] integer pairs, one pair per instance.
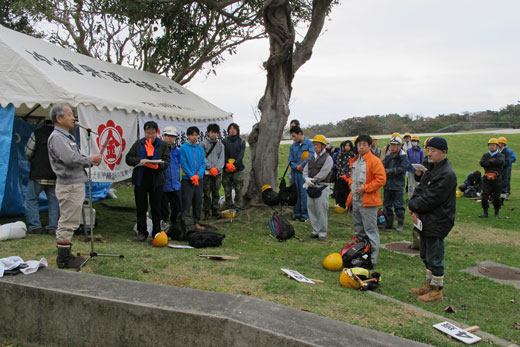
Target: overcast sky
{"points": [[388, 56]]}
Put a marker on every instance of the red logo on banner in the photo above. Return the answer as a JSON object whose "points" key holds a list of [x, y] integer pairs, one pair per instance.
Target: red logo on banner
{"points": [[111, 143]]}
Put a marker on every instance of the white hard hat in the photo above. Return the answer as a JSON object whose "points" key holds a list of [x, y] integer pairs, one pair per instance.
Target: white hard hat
{"points": [[170, 130], [396, 140]]}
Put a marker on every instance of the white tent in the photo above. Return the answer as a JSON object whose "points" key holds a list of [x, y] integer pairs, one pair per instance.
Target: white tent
{"points": [[34, 72], [110, 99]]}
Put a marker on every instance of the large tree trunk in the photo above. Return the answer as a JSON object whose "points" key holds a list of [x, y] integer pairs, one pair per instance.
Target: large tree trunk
{"points": [[281, 66], [274, 105]]}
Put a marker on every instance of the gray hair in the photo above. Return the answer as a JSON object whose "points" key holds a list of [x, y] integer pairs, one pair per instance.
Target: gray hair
{"points": [[58, 110]]}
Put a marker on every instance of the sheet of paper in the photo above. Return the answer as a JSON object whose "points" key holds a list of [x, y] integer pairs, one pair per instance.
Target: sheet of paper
{"points": [[156, 161], [179, 246], [418, 225], [297, 276], [419, 167]]}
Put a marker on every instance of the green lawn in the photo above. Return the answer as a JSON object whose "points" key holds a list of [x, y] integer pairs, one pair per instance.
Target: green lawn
{"points": [[478, 301]]}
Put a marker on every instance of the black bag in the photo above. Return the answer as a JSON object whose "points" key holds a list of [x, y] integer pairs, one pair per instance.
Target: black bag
{"points": [[270, 197], [470, 192], [185, 224], [357, 254], [280, 227], [205, 238], [315, 191], [287, 195]]}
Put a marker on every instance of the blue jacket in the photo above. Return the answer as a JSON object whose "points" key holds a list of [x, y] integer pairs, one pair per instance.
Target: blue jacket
{"points": [[296, 151], [415, 156], [395, 168], [512, 157], [192, 161], [173, 171]]}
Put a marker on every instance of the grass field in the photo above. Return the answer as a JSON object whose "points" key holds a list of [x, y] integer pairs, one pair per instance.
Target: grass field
{"points": [[478, 301]]}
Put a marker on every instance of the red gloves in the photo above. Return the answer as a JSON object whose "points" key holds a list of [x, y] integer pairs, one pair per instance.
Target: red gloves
{"points": [[213, 171], [345, 178], [152, 166], [149, 147], [230, 167], [195, 180]]}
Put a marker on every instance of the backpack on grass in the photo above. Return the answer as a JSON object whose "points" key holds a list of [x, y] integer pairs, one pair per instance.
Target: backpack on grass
{"points": [[185, 224], [205, 238], [356, 253], [280, 227]]}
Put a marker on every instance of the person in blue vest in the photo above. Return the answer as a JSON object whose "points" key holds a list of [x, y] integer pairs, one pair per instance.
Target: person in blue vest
{"points": [[300, 152], [415, 156], [148, 178], [171, 200], [506, 179], [396, 165], [193, 165]]}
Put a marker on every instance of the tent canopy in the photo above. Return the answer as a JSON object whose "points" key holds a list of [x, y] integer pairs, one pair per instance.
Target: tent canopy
{"points": [[34, 72]]}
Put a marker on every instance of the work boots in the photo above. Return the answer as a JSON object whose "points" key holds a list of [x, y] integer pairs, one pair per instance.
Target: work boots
{"points": [[435, 294], [400, 224], [485, 214], [65, 259], [426, 288]]}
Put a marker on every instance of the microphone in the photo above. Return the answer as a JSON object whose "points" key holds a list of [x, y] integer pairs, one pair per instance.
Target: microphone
{"points": [[78, 124]]}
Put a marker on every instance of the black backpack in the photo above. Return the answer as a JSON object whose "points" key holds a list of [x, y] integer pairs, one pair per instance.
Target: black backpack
{"points": [[185, 224], [287, 195], [357, 254], [280, 227], [205, 238], [470, 192]]}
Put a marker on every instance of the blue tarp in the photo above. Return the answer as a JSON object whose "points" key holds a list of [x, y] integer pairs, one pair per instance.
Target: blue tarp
{"points": [[14, 168]]}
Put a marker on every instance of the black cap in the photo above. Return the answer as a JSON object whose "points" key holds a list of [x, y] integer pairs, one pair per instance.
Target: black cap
{"points": [[439, 143]]}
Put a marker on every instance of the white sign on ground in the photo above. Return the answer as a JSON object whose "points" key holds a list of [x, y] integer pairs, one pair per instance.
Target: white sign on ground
{"points": [[297, 276], [456, 332]]}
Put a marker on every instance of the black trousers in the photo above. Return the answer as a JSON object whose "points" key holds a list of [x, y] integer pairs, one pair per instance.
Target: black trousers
{"points": [[192, 196], [144, 194], [171, 205], [493, 188], [341, 192]]}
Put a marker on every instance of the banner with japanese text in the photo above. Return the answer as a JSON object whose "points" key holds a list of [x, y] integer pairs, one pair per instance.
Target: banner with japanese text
{"points": [[116, 133]]}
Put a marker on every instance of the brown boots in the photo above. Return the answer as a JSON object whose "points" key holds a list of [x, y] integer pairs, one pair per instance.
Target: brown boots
{"points": [[426, 287], [66, 259], [428, 293], [435, 294]]}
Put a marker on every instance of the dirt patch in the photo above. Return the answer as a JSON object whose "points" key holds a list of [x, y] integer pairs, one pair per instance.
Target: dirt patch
{"points": [[401, 247], [501, 273]]}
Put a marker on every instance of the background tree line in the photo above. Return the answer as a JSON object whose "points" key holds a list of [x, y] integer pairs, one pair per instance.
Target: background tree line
{"points": [[377, 124]]}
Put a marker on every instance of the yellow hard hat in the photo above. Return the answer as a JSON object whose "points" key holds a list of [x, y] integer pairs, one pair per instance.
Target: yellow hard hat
{"points": [[231, 160], [395, 134], [333, 262], [458, 193], [320, 139], [349, 278], [415, 138], [305, 155], [355, 138], [502, 140], [160, 240], [229, 214], [407, 134], [493, 140], [339, 209], [373, 137], [426, 142], [265, 187]]}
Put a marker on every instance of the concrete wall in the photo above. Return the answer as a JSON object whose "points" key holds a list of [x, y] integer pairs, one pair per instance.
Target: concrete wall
{"points": [[64, 308]]}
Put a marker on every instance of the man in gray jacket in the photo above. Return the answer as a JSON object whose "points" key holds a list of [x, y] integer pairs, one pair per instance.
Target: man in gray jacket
{"points": [[215, 160], [316, 175], [69, 166]]}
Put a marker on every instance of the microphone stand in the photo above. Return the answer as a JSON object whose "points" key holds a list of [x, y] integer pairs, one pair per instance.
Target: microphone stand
{"points": [[92, 252]]}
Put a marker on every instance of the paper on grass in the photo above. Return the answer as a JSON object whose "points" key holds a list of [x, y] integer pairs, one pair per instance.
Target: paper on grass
{"points": [[150, 161]]}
